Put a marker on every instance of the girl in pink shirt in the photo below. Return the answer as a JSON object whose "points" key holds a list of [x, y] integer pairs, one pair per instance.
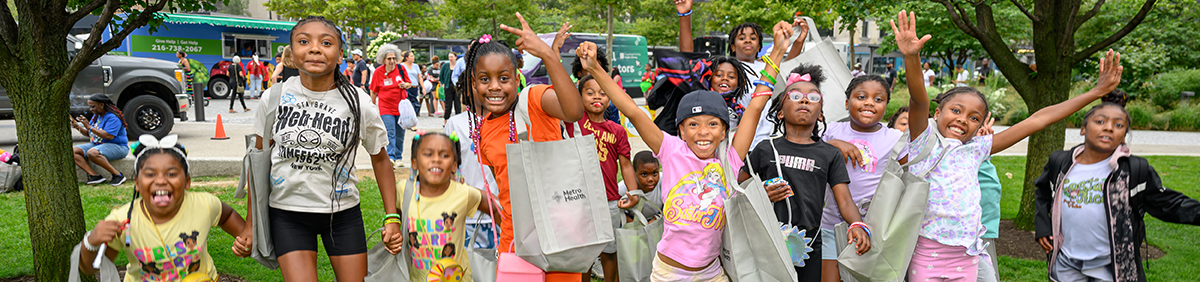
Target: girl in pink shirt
{"points": [[695, 183]]}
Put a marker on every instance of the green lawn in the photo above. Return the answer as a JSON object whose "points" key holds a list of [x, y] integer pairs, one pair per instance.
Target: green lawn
{"points": [[1181, 262]]}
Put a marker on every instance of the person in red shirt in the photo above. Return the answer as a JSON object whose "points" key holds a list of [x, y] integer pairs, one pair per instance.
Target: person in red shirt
{"points": [[255, 75], [612, 145], [388, 84]]}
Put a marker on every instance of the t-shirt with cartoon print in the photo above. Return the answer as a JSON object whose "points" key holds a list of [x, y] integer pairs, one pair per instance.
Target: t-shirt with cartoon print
{"points": [[953, 214], [435, 229], [311, 130], [1084, 228], [171, 250], [694, 202], [809, 169], [875, 148]]}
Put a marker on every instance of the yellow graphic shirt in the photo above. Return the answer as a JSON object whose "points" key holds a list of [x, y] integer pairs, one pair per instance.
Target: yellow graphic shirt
{"points": [[435, 230], [172, 250]]}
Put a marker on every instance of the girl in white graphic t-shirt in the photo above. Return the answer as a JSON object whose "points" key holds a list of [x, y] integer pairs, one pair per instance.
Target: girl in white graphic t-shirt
{"points": [[320, 120]]}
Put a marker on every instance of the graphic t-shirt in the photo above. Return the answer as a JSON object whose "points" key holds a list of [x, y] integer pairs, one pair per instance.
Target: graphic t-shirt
{"points": [[435, 227], [386, 85], [693, 202], [311, 130], [110, 123], [953, 214], [875, 148], [174, 249], [611, 143], [809, 169], [1084, 228]]}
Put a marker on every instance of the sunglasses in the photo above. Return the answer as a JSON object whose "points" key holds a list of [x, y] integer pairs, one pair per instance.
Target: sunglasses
{"points": [[797, 96]]}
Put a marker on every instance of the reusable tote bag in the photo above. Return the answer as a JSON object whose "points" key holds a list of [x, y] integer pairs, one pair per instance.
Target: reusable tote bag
{"points": [[752, 246], [895, 217], [408, 117], [484, 261], [383, 266], [256, 181], [560, 212], [637, 245]]}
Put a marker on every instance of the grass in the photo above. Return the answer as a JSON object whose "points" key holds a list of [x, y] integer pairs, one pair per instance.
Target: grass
{"points": [[1182, 258], [1181, 262]]}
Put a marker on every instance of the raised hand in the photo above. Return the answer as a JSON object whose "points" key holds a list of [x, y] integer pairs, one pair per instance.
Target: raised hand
{"points": [[683, 6], [587, 57], [1110, 72], [629, 202], [986, 128], [561, 37], [906, 35], [781, 32], [802, 26], [528, 41]]}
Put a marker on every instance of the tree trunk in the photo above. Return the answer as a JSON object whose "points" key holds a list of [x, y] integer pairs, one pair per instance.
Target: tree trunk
{"points": [[609, 41], [39, 97]]}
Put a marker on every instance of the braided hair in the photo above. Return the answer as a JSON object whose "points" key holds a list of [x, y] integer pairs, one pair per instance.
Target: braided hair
{"points": [[466, 82], [733, 34], [946, 96], [817, 77], [351, 95], [109, 106], [741, 86]]}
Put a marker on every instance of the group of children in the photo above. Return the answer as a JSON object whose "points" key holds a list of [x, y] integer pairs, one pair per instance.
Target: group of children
{"points": [[819, 172]]}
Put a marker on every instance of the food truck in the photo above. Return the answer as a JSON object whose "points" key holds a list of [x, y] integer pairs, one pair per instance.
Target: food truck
{"points": [[211, 39]]}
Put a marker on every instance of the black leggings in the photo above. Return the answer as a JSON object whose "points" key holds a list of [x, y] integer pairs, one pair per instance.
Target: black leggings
{"points": [[237, 95], [452, 101]]}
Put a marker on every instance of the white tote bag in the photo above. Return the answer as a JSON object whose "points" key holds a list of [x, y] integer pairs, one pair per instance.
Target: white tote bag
{"points": [[560, 212], [637, 245], [752, 247]]}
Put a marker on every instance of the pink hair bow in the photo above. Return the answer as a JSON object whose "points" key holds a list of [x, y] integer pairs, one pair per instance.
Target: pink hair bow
{"points": [[485, 38], [794, 78]]}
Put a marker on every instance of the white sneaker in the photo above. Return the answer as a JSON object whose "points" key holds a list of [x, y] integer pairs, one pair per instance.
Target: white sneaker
{"points": [[598, 269]]}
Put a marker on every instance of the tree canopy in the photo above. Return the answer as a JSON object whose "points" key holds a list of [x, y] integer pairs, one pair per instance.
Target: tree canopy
{"points": [[404, 17]]}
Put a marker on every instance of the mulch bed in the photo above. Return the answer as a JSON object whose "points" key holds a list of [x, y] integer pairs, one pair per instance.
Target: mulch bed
{"points": [[1018, 243]]}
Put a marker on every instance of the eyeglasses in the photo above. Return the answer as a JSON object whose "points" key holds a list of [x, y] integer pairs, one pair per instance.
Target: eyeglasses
{"points": [[797, 96], [389, 59]]}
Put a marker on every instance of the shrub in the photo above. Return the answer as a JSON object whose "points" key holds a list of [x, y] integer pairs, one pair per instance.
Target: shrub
{"points": [[1166, 87], [1141, 114], [1185, 118]]}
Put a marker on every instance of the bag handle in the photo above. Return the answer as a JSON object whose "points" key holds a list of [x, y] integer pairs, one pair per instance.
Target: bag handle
{"points": [[779, 171], [726, 165]]}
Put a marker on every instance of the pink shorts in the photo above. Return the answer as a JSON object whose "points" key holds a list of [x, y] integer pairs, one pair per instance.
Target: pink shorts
{"points": [[933, 261]]}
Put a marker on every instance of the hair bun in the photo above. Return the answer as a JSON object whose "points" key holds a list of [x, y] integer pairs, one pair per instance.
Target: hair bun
{"points": [[1116, 97]]}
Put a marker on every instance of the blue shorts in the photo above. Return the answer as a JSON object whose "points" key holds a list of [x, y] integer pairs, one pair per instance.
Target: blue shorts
{"points": [[111, 151], [829, 249]]}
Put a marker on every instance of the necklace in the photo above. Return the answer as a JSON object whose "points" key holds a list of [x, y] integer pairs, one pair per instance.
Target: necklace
{"points": [[155, 226]]}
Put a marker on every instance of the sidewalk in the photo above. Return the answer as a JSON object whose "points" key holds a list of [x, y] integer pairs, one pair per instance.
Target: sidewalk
{"points": [[224, 157]]}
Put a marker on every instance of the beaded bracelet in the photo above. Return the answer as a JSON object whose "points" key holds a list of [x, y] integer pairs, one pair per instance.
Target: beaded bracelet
{"points": [[764, 84], [689, 13], [391, 215], [764, 93], [859, 224], [767, 59]]}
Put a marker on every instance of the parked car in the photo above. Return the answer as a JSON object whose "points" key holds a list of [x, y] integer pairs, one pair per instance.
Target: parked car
{"points": [[148, 91]]}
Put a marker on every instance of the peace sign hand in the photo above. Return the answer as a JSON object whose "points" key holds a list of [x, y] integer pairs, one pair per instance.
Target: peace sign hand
{"points": [[561, 37], [528, 41], [906, 35]]}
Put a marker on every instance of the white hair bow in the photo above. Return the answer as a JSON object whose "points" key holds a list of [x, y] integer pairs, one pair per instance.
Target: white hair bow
{"points": [[166, 143]]}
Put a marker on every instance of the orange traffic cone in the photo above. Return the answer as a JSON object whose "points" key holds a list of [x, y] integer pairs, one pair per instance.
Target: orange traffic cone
{"points": [[220, 130]]}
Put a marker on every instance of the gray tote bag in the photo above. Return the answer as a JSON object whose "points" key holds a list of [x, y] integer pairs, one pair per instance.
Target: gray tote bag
{"points": [[752, 247]]}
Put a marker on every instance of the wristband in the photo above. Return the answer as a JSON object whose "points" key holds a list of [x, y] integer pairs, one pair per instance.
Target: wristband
{"points": [[391, 215], [769, 78], [767, 59], [764, 84], [87, 244], [861, 225], [390, 221], [689, 13], [764, 93]]}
